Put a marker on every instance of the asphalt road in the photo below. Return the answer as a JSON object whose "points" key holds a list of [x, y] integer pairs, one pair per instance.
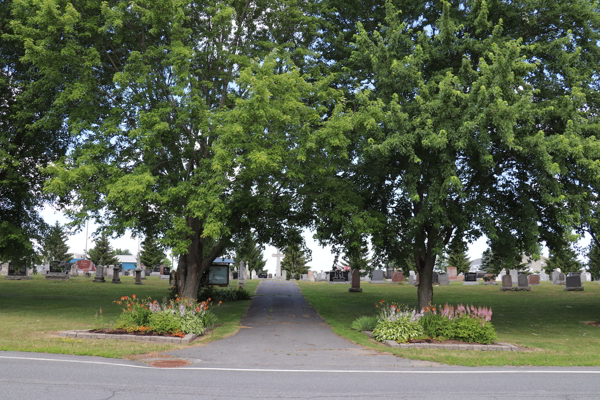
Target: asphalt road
{"points": [[285, 352]]}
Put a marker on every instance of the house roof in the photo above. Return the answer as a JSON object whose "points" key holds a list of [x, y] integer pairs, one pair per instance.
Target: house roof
{"points": [[126, 258]]}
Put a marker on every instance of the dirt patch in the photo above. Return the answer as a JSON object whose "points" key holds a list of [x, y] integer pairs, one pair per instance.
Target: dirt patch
{"points": [[109, 331], [592, 323], [170, 363]]}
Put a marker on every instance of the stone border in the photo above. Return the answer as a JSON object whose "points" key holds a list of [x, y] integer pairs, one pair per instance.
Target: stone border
{"points": [[480, 347], [17, 277], [187, 339], [516, 289]]}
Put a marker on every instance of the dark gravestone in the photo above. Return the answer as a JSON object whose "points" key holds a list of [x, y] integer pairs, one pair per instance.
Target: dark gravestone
{"points": [[480, 274], [435, 279], [523, 282], [116, 278], [156, 269], [234, 275], [534, 279], [270, 276], [573, 284], [138, 276], [506, 283], [398, 276], [338, 276], [57, 271], [263, 275], [17, 273], [166, 271], [355, 282], [470, 278]]}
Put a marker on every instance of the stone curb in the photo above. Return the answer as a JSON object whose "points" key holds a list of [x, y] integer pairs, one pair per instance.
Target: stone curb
{"points": [[187, 339], [479, 347]]}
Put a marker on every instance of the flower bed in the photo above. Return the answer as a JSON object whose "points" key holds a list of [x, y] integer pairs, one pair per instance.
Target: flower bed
{"points": [[169, 318], [464, 323]]}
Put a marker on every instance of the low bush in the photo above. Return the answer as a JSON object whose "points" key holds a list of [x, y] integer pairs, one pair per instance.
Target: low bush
{"points": [[471, 330], [400, 330], [433, 324], [225, 295], [364, 323]]}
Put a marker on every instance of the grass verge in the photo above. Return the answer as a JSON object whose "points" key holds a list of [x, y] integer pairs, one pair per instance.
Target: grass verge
{"points": [[548, 321], [33, 312]]}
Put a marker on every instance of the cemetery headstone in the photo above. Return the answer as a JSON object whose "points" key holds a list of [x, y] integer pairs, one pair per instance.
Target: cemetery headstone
{"points": [[242, 274], [304, 277], [573, 284], [173, 278], [58, 271], [506, 283], [262, 275], [284, 274], [398, 276], [355, 288], [561, 279], [16, 273], [378, 276], [411, 280], [452, 273], [523, 282], [470, 278], [489, 279], [278, 256], [534, 279], [253, 275], [338, 276], [116, 278], [583, 277], [434, 279], [99, 274], [270, 276], [544, 276], [310, 275], [443, 279], [138, 276]]}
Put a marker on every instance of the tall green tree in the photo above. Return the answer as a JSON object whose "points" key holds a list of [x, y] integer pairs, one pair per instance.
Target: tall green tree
{"points": [[55, 246], [593, 260], [193, 119], [122, 252], [475, 118], [251, 253], [295, 258], [564, 258], [102, 253], [459, 259], [31, 137], [152, 253]]}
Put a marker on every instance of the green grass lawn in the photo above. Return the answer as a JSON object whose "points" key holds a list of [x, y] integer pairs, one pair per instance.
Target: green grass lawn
{"points": [[33, 312], [547, 320]]}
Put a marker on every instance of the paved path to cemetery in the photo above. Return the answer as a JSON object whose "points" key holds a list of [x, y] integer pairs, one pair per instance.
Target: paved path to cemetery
{"points": [[281, 330]]}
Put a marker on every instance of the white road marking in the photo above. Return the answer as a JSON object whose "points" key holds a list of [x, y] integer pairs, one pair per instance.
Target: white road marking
{"points": [[333, 371]]}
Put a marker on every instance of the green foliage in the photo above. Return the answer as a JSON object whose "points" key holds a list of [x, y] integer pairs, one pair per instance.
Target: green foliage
{"points": [[152, 254], [121, 252], [593, 263], [365, 323], [168, 321], [225, 295], [251, 252], [295, 259], [472, 330], [564, 258], [434, 325], [459, 259], [209, 320], [102, 253], [55, 244], [400, 330]]}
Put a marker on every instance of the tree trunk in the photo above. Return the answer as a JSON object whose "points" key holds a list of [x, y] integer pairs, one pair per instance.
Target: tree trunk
{"points": [[425, 288]]}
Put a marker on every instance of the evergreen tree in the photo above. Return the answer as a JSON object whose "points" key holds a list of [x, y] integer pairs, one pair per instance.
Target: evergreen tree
{"points": [[102, 253], [121, 252], [564, 258], [55, 246], [295, 259], [459, 259], [251, 253], [358, 259], [152, 253], [593, 262]]}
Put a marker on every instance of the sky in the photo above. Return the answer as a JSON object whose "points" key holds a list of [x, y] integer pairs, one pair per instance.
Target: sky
{"points": [[322, 258]]}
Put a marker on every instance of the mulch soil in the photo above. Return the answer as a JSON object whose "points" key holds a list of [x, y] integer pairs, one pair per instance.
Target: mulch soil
{"points": [[124, 332]]}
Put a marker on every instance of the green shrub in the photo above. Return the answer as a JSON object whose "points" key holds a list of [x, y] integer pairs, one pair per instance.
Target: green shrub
{"points": [[225, 295], [470, 330], [209, 320], [365, 323], [433, 324], [165, 321], [190, 323], [401, 330]]}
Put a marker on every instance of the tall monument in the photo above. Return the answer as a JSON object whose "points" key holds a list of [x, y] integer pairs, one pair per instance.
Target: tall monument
{"points": [[278, 265]]}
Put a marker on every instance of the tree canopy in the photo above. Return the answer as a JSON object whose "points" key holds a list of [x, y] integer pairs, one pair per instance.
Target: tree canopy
{"points": [[55, 246], [251, 253], [152, 254], [295, 258], [102, 253]]}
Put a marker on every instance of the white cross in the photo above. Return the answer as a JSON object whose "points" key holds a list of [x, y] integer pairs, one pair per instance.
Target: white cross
{"points": [[278, 265]]}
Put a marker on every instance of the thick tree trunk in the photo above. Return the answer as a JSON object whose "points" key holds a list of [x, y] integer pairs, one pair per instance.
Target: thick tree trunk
{"points": [[425, 288]]}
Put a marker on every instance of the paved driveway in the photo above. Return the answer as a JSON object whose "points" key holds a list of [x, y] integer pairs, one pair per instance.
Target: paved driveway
{"points": [[281, 330]]}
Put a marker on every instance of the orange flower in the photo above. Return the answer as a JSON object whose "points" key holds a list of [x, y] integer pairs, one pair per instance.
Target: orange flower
{"points": [[133, 296], [169, 306], [209, 299], [126, 298], [122, 298], [221, 302], [206, 307], [153, 301], [118, 302], [382, 301], [177, 299], [197, 309]]}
